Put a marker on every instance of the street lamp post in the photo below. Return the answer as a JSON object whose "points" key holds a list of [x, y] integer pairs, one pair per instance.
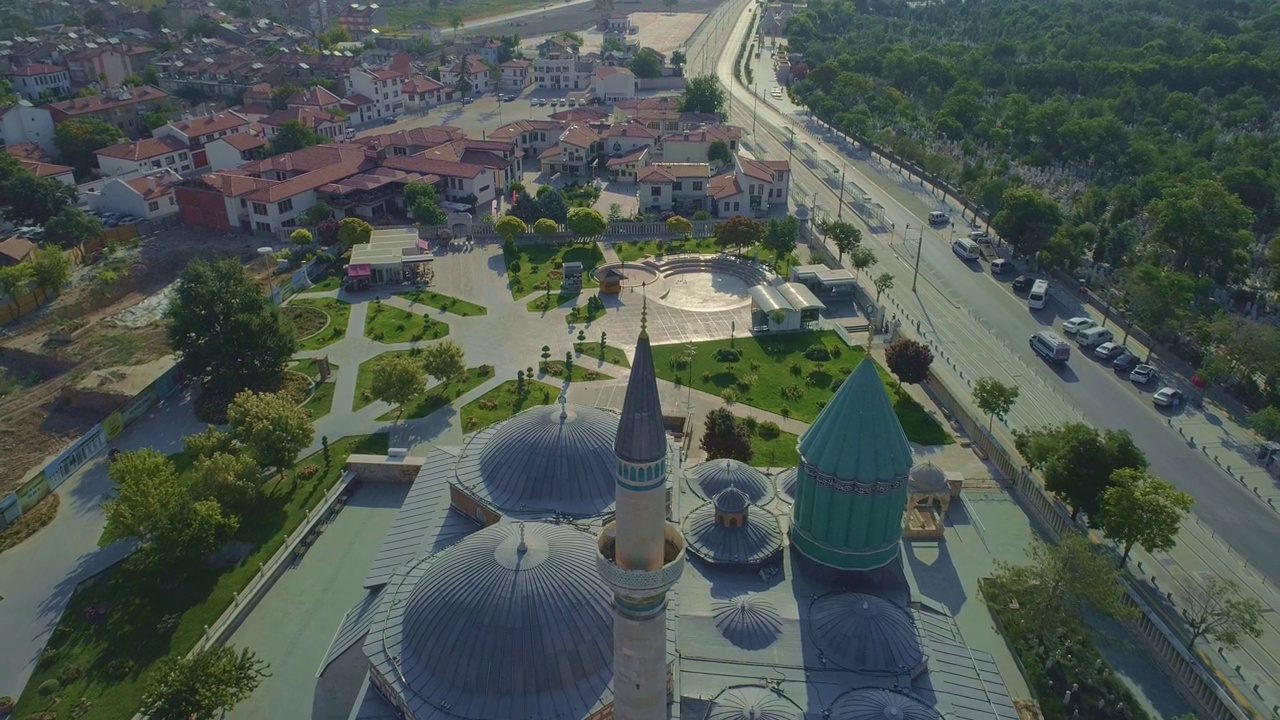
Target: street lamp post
{"points": [[919, 247], [840, 205]]}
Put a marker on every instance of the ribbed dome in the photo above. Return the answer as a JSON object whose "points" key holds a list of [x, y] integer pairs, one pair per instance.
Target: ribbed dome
{"points": [[865, 633], [753, 702], [877, 704], [540, 461], [731, 500], [748, 621], [857, 437], [786, 482], [712, 476], [756, 540], [929, 478], [495, 630]]}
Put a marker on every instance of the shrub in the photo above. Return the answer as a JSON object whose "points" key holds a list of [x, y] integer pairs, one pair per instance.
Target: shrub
{"points": [[208, 443], [49, 656], [836, 383], [308, 471], [769, 430], [60, 636], [818, 352], [97, 614], [168, 623], [82, 708], [820, 403], [795, 368], [728, 355], [792, 392], [120, 668], [49, 687], [70, 674], [514, 267], [785, 411], [706, 376], [729, 395], [754, 364], [835, 352], [746, 381], [750, 423]]}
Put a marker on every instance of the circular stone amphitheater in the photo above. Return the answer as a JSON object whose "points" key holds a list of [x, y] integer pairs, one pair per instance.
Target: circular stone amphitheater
{"points": [[706, 283]]}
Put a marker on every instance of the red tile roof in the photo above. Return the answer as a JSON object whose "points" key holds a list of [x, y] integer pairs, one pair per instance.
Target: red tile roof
{"points": [[143, 149], [35, 69], [210, 124], [432, 166], [421, 84], [44, 169], [315, 96], [28, 151], [312, 117], [723, 186], [630, 157], [244, 141], [98, 103], [149, 188], [662, 173]]}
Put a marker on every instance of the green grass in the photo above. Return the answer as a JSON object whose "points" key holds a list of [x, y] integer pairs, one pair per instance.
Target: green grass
{"points": [[533, 268], [581, 314], [765, 257], [502, 402], [555, 369], [611, 354], [546, 303], [153, 614], [779, 451], [442, 394], [338, 311], [392, 325], [632, 251], [778, 362], [447, 303], [321, 401], [327, 281]]}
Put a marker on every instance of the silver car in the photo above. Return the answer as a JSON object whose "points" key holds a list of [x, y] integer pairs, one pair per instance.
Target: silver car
{"points": [[1142, 374]]}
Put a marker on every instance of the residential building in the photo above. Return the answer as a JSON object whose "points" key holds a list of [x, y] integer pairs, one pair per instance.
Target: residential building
{"points": [[382, 85], [458, 181], [360, 109], [119, 106], [422, 92], [557, 46], [489, 49], [562, 72], [583, 115], [674, 187], [233, 151], [38, 81], [147, 197], [693, 145], [154, 153], [323, 123], [617, 21], [113, 62], [198, 132], [414, 140], [500, 155], [758, 187], [574, 153], [531, 136], [773, 22], [36, 161], [627, 167], [371, 195], [314, 97], [23, 122], [473, 70], [661, 113], [611, 83], [626, 138], [361, 20], [516, 75]]}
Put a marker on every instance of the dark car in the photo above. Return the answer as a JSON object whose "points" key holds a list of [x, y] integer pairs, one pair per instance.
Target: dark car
{"points": [[1126, 361], [1022, 283], [388, 121]]}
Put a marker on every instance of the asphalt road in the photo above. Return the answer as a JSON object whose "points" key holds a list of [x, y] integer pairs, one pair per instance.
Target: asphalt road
{"points": [[559, 17]]}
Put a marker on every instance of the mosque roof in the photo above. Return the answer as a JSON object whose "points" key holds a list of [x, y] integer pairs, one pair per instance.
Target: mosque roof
{"points": [[786, 482], [641, 437], [857, 436], [756, 540], [866, 633], [512, 622], [928, 478], [549, 459], [753, 702], [713, 476], [878, 704], [749, 621]]}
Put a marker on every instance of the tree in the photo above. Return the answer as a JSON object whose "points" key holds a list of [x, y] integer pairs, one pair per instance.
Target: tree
{"points": [[679, 226], [208, 442], [231, 479], [354, 231], [293, 135], [780, 238], [909, 360], [51, 268], [510, 227], [1078, 462], [883, 281], [647, 63], [844, 236], [739, 232], [455, 22], [204, 686], [327, 231], [226, 331], [271, 426], [546, 227], [397, 379], [586, 223], [1142, 509], [1266, 422], [724, 436], [1061, 582], [13, 278], [678, 60], [994, 398], [525, 207], [423, 203], [718, 153], [861, 257], [1218, 611], [1027, 218], [615, 213], [301, 237], [552, 205], [1158, 299], [77, 139], [27, 197], [1204, 225], [443, 360], [704, 95], [315, 214], [281, 93]]}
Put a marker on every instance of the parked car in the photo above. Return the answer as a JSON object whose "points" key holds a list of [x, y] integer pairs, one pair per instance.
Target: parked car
{"points": [[1022, 283], [1125, 361], [466, 101], [981, 237], [542, 102], [1076, 324], [1109, 351], [533, 102], [1001, 266], [1142, 374], [1167, 397], [388, 121], [128, 220]]}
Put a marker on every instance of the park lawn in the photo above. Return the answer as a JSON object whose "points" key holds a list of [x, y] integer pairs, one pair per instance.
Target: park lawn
{"points": [[392, 325], [447, 303], [635, 250], [581, 314], [766, 258], [329, 279], [780, 451], [502, 402], [546, 303], [338, 311], [609, 354], [437, 396], [555, 369], [321, 401], [532, 268], [778, 362], [155, 614]]}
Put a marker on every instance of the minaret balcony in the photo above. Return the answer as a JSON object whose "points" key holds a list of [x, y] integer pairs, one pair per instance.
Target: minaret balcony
{"points": [[640, 583]]}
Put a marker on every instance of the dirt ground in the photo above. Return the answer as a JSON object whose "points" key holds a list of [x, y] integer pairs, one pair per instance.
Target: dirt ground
{"points": [[663, 31], [76, 334]]}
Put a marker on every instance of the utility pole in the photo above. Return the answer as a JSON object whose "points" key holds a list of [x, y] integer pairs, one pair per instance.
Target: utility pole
{"points": [[754, 98], [840, 206], [791, 145], [919, 247]]}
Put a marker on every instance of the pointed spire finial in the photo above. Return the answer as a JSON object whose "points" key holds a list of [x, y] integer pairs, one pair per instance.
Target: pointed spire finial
{"points": [[522, 547], [644, 310], [563, 400]]}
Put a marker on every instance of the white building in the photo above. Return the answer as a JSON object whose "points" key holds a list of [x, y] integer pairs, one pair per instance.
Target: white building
{"points": [[165, 151], [610, 83], [34, 81], [562, 73], [382, 85], [146, 196], [474, 71], [675, 187], [694, 145], [516, 75], [232, 151], [23, 122], [198, 132], [422, 92]]}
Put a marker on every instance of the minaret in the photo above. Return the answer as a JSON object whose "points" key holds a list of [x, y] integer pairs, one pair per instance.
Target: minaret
{"points": [[641, 554]]}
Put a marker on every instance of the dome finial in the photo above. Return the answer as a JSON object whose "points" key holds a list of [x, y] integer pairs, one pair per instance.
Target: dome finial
{"points": [[644, 310], [563, 400], [522, 547]]}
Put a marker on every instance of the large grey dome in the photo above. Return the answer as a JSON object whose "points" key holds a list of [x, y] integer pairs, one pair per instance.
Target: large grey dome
{"points": [[866, 633], [877, 704], [752, 702], [928, 478], [748, 621], [511, 622], [786, 481], [756, 540], [545, 460], [712, 476]]}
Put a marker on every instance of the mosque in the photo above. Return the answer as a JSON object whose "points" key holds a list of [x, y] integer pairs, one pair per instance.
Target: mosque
{"points": [[564, 565]]}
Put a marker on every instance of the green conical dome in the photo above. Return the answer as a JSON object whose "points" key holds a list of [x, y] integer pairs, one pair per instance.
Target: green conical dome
{"points": [[857, 436]]}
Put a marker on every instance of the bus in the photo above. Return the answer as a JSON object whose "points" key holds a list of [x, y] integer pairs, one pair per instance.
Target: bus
{"points": [[1039, 294]]}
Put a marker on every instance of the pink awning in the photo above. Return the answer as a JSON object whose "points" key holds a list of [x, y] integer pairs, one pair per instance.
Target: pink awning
{"points": [[359, 271]]}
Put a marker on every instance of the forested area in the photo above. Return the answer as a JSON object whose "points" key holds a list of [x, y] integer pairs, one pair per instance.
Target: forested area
{"points": [[1142, 134]]}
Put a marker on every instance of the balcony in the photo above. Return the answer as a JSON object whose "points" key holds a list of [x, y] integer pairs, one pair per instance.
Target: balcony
{"points": [[640, 583]]}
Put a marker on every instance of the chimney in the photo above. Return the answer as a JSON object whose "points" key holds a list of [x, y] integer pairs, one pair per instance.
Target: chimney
{"points": [[151, 182]]}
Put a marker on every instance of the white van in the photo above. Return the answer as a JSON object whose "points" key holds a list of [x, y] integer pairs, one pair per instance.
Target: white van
{"points": [[1093, 337], [1050, 346], [938, 218], [965, 249], [1039, 294]]}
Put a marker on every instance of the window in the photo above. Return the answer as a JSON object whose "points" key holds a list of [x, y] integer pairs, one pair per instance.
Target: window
{"points": [[697, 185], [486, 187], [182, 156], [655, 191], [735, 206], [171, 203], [168, 159], [260, 209], [677, 186], [244, 203], [155, 163], [153, 206], [284, 206], [726, 206], [291, 222], [265, 227]]}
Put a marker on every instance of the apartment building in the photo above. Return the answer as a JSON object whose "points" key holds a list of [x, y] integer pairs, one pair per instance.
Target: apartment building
{"points": [[119, 106], [37, 81], [422, 92], [165, 151], [325, 124], [197, 133], [516, 75], [360, 20], [382, 86], [674, 187], [562, 72], [694, 145], [473, 70], [23, 122]]}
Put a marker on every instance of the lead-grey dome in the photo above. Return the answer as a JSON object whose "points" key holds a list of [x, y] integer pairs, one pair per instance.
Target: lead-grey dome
{"points": [[748, 621], [752, 702], [757, 540], [495, 630], [786, 482], [928, 478], [877, 704], [545, 460], [731, 500], [866, 634], [712, 476]]}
